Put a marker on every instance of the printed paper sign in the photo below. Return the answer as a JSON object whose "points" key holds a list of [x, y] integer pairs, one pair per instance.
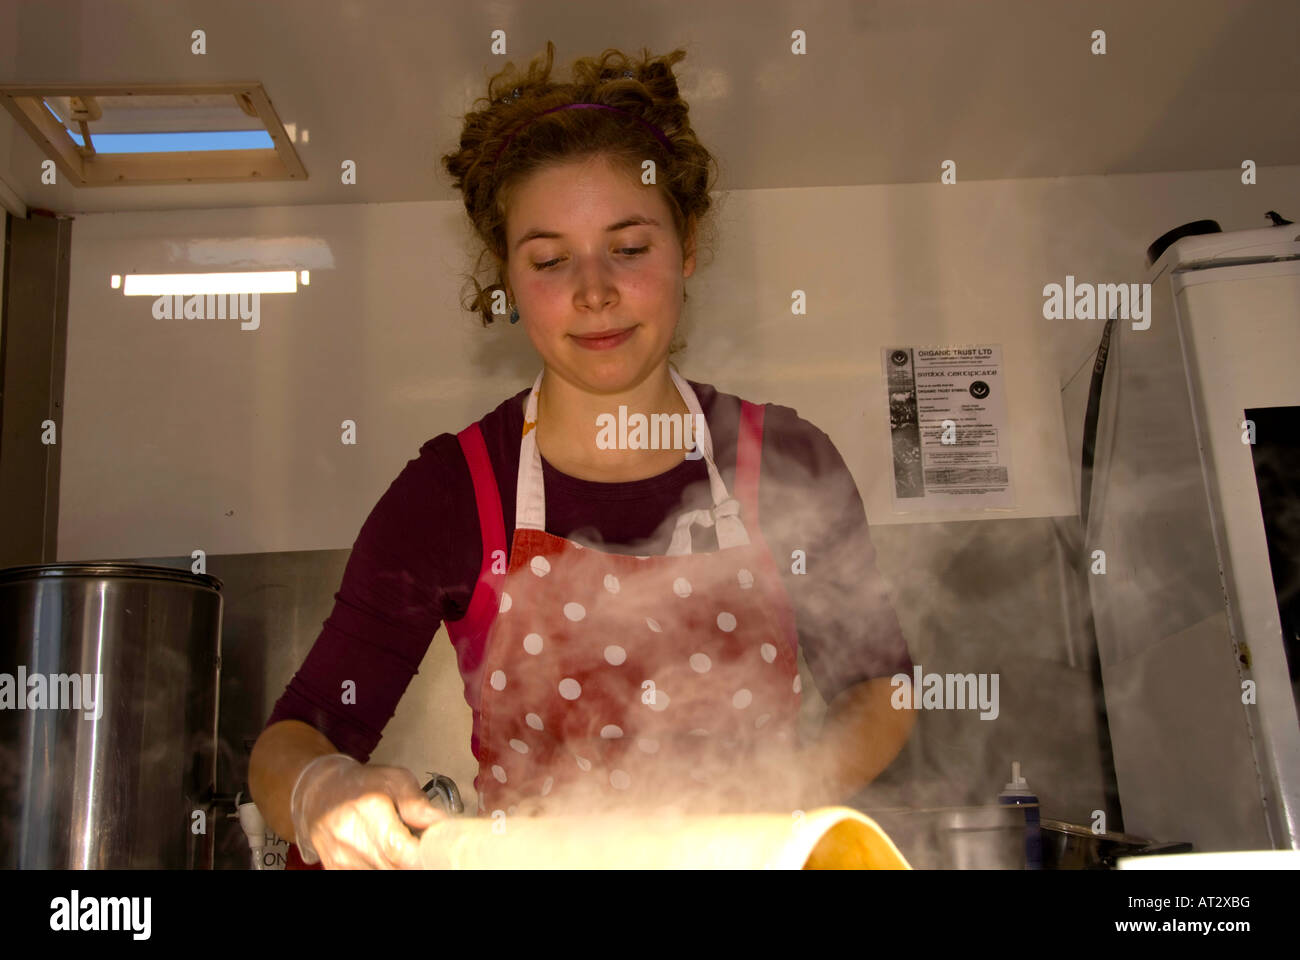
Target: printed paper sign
{"points": [[950, 443]]}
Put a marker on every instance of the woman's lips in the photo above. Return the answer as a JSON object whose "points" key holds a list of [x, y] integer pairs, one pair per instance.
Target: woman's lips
{"points": [[604, 343]]}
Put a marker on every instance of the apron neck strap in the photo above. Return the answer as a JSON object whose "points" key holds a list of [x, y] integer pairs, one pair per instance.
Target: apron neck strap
{"points": [[530, 495]]}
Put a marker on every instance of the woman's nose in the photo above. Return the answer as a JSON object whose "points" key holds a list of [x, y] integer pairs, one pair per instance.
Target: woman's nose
{"points": [[595, 288]]}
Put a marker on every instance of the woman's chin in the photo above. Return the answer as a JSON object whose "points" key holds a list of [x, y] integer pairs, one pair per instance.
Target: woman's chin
{"points": [[608, 375]]}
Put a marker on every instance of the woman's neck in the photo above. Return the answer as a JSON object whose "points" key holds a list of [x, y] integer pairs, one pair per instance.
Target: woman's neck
{"points": [[567, 427]]}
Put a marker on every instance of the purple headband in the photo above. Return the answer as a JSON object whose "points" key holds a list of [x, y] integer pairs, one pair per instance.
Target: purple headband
{"points": [[589, 106]]}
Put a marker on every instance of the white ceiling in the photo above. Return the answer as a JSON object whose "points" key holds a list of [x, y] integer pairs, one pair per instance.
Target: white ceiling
{"points": [[887, 91]]}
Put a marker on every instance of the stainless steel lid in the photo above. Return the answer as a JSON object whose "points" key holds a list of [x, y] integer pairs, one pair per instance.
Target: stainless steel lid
{"points": [[117, 569]]}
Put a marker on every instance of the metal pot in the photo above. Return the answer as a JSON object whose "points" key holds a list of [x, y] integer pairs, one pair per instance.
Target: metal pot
{"points": [[118, 785], [988, 837], [1068, 846]]}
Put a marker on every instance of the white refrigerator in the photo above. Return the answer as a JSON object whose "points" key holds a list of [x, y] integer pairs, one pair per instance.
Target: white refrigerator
{"points": [[1196, 515]]}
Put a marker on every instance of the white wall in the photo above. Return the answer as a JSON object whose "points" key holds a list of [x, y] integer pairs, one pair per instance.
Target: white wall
{"points": [[185, 434]]}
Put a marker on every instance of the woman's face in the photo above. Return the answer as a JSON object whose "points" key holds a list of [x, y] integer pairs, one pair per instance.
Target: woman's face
{"points": [[581, 277]]}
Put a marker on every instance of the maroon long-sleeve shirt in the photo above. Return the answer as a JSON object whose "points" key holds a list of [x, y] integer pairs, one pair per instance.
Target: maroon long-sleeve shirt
{"points": [[416, 560]]}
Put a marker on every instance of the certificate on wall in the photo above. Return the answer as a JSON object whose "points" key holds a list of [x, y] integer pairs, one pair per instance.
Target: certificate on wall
{"points": [[949, 438]]}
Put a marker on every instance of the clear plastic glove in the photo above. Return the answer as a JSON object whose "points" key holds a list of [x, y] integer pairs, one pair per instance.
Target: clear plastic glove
{"points": [[349, 815]]}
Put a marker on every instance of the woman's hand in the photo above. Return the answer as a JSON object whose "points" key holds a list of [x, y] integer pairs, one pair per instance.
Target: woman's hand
{"points": [[349, 815]]}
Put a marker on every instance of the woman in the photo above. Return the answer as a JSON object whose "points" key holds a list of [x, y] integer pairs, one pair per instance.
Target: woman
{"points": [[626, 635]]}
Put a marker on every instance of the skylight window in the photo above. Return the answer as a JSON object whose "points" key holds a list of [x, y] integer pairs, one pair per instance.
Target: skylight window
{"points": [[143, 134], [169, 142]]}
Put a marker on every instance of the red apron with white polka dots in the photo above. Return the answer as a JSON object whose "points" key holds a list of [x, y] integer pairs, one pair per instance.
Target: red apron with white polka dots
{"points": [[614, 681]]}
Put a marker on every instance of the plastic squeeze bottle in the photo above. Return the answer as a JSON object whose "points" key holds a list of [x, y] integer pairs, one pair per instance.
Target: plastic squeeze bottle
{"points": [[1017, 793]]}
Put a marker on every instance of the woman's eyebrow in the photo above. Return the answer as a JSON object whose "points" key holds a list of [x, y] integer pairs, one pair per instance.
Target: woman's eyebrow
{"points": [[632, 221]]}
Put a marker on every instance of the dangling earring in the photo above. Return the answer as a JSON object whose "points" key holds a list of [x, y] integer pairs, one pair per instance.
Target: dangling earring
{"points": [[514, 314]]}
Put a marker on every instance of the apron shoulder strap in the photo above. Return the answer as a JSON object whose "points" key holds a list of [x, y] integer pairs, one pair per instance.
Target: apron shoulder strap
{"points": [[749, 453], [469, 634], [487, 497]]}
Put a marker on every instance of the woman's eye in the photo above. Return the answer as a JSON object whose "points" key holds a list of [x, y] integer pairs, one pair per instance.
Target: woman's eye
{"points": [[630, 251]]}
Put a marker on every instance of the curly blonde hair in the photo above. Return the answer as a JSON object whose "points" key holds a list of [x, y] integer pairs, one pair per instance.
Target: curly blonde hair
{"points": [[510, 139]]}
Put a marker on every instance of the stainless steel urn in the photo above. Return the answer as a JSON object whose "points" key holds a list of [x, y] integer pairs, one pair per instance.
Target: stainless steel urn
{"points": [[108, 715]]}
